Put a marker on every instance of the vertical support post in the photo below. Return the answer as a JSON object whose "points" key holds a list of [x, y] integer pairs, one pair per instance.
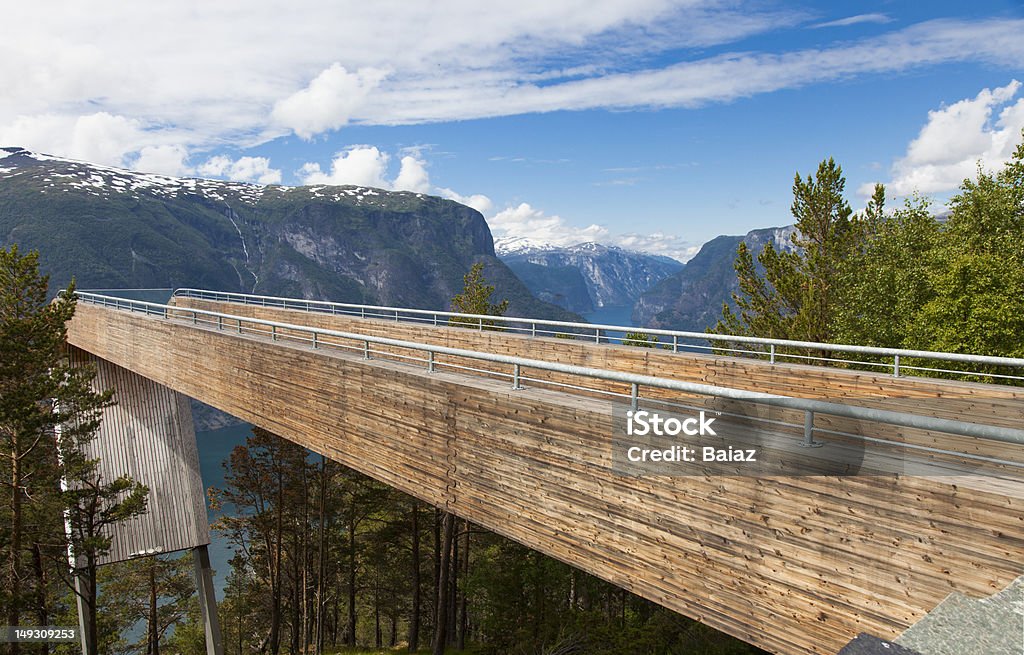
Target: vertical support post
{"points": [[362, 312], [315, 343], [84, 619], [675, 343], [220, 322], [809, 441], [207, 600], [435, 319], [239, 326], [396, 316], [366, 350], [896, 366], [533, 329], [516, 372], [194, 318], [430, 361], [597, 335], [771, 358], [273, 332], [634, 396], [481, 324]]}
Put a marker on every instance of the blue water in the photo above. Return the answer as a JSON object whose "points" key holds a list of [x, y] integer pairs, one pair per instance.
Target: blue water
{"points": [[619, 315], [215, 447]]}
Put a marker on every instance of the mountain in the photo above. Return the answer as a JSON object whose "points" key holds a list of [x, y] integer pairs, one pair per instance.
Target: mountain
{"points": [[585, 276], [114, 228], [692, 298]]}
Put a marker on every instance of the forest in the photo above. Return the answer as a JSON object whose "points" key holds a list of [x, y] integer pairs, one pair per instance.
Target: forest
{"points": [[328, 560]]}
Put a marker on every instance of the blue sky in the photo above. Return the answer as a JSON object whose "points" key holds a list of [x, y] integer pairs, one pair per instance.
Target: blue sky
{"points": [[653, 124]]}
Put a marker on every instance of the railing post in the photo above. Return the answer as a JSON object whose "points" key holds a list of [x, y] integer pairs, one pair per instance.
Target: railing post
{"points": [[315, 343], [194, 317], [430, 361], [675, 343], [273, 332], [533, 329], [362, 312], [634, 396], [597, 335], [396, 316], [435, 319], [515, 377], [771, 359], [220, 322], [481, 324], [239, 326], [896, 366], [366, 350], [809, 441]]}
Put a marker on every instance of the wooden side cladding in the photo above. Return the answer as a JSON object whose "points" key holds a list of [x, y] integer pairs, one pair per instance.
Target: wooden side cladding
{"points": [[983, 403], [791, 564], [149, 436]]}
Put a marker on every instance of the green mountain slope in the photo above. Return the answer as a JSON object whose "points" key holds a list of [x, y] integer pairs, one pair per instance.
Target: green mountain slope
{"points": [[113, 228]]}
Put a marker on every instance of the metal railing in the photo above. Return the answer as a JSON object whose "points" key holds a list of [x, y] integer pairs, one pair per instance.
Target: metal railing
{"points": [[321, 338], [772, 349]]}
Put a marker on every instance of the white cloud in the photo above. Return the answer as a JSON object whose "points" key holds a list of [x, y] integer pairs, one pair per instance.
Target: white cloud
{"points": [[540, 228], [659, 243], [526, 221], [243, 169], [242, 74], [955, 139], [329, 100], [365, 165], [98, 137], [358, 165], [855, 20], [477, 201], [412, 176], [166, 160]]}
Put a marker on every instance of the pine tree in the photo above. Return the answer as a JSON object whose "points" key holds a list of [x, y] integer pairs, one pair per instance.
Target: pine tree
{"points": [[475, 298], [795, 296], [48, 415]]}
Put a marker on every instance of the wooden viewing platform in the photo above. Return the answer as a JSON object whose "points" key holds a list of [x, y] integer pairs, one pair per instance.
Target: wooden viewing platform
{"points": [[790, 563]]}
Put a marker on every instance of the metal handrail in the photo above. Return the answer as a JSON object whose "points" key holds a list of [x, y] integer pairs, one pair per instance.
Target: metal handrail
{"points": [[809, 406], [773, 344]]}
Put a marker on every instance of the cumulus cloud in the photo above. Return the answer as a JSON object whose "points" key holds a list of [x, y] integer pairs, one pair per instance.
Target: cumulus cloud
{"points": [[412, 176], [477, 201], [243, 169], [329, 100], [359, 165], [536, 226], [98, 137], [526, 221], [955, 139], [166, 160], [659, 243], [365, 165]]}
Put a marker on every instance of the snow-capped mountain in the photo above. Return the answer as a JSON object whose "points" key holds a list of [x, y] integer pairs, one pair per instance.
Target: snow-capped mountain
{"points": [[115, 228], [584, 276]]}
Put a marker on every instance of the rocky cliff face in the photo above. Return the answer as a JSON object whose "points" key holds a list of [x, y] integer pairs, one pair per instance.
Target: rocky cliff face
{"points": [[692, 299], [588, 275], [113, 228]]}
